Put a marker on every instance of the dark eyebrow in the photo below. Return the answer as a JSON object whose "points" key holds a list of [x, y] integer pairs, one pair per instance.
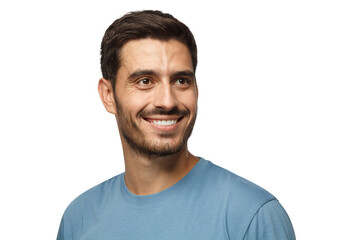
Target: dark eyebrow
{"points": [[183, 74], [139, 73], [146, 72]]}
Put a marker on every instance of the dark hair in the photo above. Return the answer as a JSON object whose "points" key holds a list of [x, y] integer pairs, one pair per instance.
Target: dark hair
{"points": [[139, 25]]}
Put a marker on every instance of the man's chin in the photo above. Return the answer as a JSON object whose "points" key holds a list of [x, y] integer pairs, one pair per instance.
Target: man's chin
{"points": [[156, 152], [161, 147]]}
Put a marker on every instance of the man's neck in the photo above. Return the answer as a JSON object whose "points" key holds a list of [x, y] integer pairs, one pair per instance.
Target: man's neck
{"points": [[145, 175]]}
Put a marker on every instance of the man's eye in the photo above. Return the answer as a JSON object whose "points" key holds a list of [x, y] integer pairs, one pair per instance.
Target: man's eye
{"points": [[144, 81], [181, 81]]}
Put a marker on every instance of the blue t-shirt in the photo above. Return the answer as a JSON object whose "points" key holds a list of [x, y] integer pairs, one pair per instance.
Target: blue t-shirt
{"points": [[208, 203]]}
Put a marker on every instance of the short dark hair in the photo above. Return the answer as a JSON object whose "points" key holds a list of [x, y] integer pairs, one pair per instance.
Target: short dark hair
{"points": [[139, 25]]}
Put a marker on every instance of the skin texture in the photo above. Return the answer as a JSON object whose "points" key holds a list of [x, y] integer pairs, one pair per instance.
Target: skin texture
{"points": [[155, 82]]}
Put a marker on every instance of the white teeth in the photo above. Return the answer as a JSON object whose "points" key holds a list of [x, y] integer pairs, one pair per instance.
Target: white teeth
{"points": [[165, 122]]}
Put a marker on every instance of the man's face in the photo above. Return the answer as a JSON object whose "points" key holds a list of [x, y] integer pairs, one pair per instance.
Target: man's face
{"points": [[156, 96]]}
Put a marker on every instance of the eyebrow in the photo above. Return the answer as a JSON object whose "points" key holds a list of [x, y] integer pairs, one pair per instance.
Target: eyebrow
{"points": [[183, 74], [139, 73]]}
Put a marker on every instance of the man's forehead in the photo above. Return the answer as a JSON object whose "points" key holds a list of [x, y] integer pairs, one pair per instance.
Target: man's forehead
{"points": [[153, 54]]}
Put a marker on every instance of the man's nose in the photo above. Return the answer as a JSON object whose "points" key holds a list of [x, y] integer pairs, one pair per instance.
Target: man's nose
{"points": [[164, 97]]}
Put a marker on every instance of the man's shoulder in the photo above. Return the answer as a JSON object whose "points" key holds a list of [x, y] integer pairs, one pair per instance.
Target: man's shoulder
{"points": [[245, 201], [234, 190], [235, 184], [94, 196]]}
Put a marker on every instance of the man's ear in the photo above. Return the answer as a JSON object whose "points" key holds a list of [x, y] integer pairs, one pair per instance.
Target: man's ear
{"points": [[106, 93]]}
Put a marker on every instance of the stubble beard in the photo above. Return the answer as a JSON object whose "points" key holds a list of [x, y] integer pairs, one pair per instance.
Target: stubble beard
{"points": [[137, 140]]}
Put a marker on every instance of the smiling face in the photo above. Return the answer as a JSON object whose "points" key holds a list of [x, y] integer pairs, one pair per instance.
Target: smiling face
{"points": [[155, 96]]}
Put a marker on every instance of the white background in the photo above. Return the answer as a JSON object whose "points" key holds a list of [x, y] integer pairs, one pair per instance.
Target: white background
{"points": [[279, 105]]}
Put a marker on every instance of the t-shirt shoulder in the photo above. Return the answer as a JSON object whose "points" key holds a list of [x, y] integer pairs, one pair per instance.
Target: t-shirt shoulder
{"points": [[271, 222], [94, 195], [242, 198], [239, 186]]}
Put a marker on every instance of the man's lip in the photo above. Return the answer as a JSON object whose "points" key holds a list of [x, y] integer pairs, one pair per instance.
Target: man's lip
{"points": [[168, 124], [160, 118]]}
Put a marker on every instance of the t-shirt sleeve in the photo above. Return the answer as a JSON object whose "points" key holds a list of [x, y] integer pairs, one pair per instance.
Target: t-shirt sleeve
{"points": [[60, 235], [271, 222]]}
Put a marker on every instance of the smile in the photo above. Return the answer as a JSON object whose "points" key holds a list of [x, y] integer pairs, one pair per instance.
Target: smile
{"points": [[163, 122]]}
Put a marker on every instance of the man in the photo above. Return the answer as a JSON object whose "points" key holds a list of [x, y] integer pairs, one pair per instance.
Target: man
{"points": [[148, 61]]}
